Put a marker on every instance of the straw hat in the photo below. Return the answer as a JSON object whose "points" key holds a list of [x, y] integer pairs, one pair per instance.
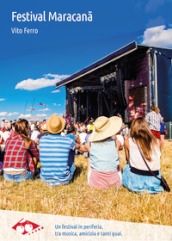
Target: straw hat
{"points": [[55, 124], [105, 127]]}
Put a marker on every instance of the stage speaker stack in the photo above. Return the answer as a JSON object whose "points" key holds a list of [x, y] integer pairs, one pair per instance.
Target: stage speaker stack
{"points": [[120, 89]]}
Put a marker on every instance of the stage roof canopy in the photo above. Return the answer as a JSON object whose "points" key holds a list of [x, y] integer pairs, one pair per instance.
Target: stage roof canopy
{"points": [[131, 47]]}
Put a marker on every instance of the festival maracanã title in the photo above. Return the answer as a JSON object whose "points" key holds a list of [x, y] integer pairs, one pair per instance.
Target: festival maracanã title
{"points": [[51, 16]]}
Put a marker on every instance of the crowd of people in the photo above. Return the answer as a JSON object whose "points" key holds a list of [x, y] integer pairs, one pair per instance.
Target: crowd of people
{"points": [[49, 149]]}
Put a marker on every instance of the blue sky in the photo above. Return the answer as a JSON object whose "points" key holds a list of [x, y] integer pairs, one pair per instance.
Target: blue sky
{"points": [[28, 63]]}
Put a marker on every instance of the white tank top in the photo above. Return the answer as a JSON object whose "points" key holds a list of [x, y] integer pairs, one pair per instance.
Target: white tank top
{"points": [[137, 161]]}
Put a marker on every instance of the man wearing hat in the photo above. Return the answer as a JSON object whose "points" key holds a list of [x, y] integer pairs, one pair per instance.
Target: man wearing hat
{"points": [[54, 153]]}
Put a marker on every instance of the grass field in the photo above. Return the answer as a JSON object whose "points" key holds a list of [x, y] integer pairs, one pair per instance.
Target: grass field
{"points": [[79, 200]]}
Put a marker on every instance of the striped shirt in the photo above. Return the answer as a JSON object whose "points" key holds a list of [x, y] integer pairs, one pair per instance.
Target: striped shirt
{"points": [[54, 154], [154, 120]]}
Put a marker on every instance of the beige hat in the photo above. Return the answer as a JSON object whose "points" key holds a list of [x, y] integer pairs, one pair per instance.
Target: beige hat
{"points": [[55, 124], [105, 127]]}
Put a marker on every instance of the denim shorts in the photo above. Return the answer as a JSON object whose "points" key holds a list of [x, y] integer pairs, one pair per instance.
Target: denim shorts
{"points": [[18, 177]]}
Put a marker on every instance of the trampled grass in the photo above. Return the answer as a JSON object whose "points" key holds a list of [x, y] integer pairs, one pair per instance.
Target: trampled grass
{"points": [[79, 200]]}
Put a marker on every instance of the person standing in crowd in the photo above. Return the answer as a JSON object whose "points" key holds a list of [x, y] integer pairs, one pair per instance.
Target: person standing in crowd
{"points": [[162, 131], [9, 125], [3, 123], [136, 175], [89, 133], [154, 118], [12, 132], [54, 152], [82, 135], [103, 164], [90, 125], [71, 134], [32, 125], [35, 133], [43, 132], [19, 163], [86, 154], [5, 134], [2, 146], [2, 143]]}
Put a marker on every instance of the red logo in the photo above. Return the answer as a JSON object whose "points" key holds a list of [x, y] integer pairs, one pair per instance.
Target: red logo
{"points": [[26, 227]]}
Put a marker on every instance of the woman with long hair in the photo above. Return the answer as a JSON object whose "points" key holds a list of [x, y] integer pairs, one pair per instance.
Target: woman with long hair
{"points": [[20, 154], [142, 145]]}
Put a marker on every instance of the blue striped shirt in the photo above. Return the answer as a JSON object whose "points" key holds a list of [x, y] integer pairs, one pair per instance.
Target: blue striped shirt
{"points": [[54, 153]]}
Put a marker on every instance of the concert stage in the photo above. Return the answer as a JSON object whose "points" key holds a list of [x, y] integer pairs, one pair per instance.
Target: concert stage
{"points": [[127, 81]]}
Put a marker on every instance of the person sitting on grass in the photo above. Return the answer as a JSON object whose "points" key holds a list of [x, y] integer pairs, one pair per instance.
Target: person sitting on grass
{"points": [[20, 154], [136, 176], [103, 164], [54, 153]]}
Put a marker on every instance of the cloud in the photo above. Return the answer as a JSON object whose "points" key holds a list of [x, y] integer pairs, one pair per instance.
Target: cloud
{"points": [[152, 5], [24, 116], [56, 104], [3, 113], [55, 91], [14, 113], [8, 114], [28, 116], [45, 81], [46, 109], [2, 99], [158, 36]]}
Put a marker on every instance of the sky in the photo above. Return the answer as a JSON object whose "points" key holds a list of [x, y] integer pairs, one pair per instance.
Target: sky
{"points": [[31, 64]]}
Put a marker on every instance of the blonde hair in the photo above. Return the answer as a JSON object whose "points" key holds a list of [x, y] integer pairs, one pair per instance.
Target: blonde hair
{"points": [[152, 108], [144, 138], [157, 110]]}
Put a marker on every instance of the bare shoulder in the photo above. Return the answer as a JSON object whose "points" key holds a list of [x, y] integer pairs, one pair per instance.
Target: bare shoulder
{"points": [[126, 143]]}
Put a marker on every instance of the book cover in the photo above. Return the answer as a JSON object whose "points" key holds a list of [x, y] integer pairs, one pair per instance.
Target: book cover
{"points": [[60, 57]]}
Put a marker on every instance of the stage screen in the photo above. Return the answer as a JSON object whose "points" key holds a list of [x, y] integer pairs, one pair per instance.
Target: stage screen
{"points": [[137, 103]]}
